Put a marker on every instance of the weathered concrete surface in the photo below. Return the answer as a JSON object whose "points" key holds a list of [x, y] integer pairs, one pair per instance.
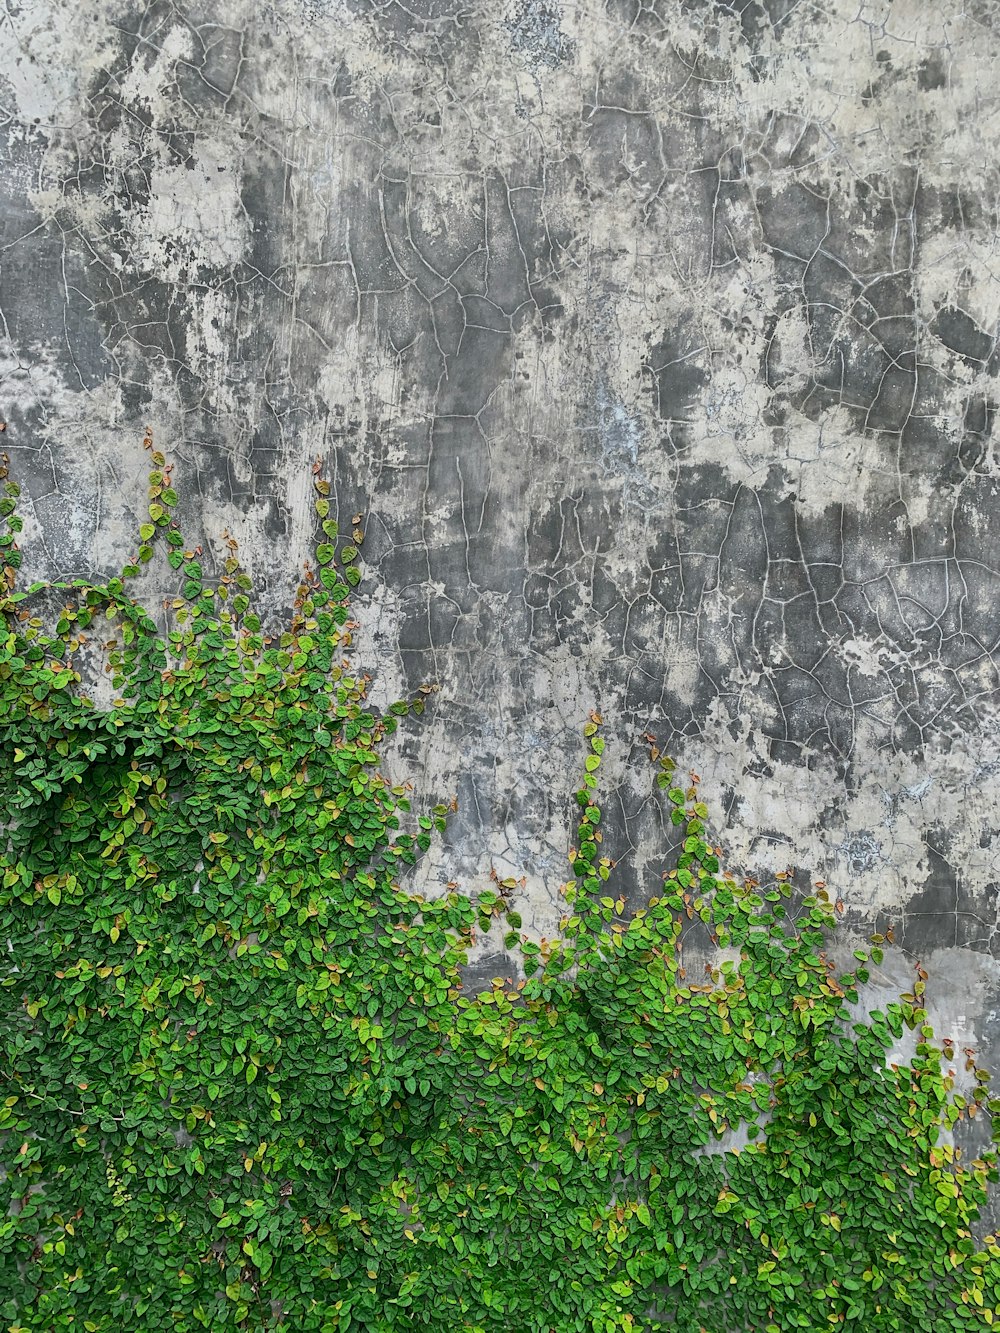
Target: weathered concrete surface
{"points": [[658, 342]]}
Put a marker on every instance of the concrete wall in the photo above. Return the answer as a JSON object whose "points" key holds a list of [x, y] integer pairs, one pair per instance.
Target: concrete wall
{"points": [[657, 343]]}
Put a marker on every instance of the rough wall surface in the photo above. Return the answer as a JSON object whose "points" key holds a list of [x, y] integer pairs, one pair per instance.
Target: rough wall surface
{"points": [[657, 343]]}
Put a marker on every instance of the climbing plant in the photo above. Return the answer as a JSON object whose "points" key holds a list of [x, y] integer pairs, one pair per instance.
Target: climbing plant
{"points": [[244, 1087]]}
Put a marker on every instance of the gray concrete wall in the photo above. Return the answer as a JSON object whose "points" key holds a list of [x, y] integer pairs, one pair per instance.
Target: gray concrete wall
{"points": [[657, 343]]}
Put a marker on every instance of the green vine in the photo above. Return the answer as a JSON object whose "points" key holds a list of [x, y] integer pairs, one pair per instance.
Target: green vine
{"points": [[243, 1087]]}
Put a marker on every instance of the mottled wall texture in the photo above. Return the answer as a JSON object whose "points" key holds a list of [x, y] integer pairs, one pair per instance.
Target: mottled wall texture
{"points": [[656, 342]]}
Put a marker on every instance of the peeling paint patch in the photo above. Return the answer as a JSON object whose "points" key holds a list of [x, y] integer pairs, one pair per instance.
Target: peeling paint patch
{"points": [[536, 34]]}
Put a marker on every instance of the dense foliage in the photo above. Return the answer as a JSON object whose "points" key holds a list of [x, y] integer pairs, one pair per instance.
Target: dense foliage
{"points": [[243, 1086]]}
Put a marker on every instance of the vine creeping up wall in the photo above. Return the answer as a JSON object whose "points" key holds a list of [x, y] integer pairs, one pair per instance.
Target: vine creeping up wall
{"points": [[244, 1087]]}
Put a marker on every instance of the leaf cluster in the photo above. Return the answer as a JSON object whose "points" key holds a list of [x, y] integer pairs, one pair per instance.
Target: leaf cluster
{"points": [[242, 1084]]}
